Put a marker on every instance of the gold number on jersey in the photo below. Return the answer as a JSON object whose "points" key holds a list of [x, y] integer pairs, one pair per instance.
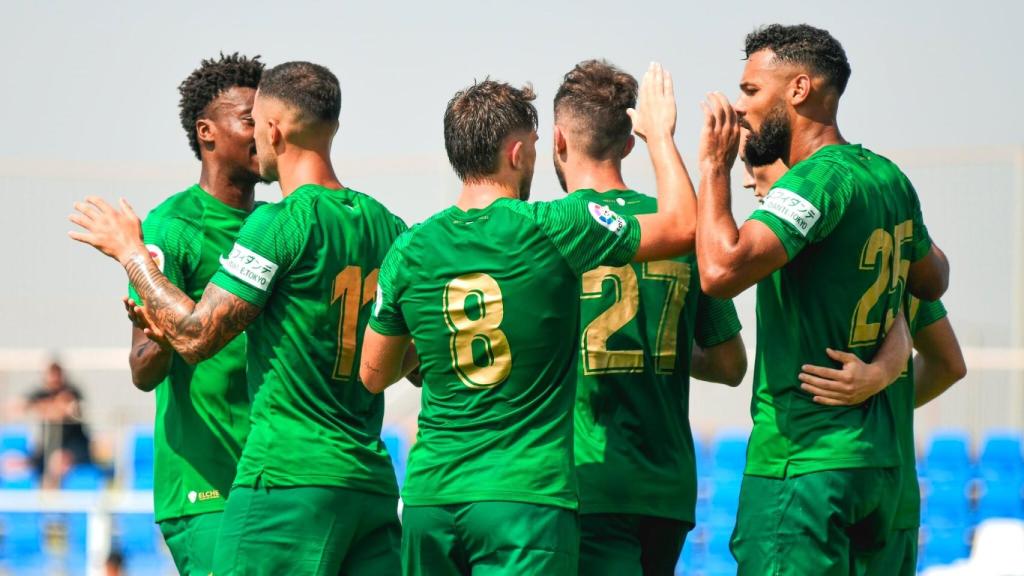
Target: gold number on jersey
{"points": [[354, 291], [473, 311], [596, 357], [884, 251]]}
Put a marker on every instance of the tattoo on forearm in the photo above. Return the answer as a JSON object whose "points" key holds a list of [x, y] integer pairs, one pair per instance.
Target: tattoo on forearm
{"points": [[197, 330]]}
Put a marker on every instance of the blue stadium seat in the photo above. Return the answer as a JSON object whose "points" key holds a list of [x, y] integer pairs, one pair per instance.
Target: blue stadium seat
{"points": [[136, 534], [14, 438], [77, 527], [1001, 500], [729, 455], [948, 456], [143, 455], [1001, 459], [397, 443], [942, 546], [24, 480], [23, 537], [690, 559], [724, 502], [83, 477]]}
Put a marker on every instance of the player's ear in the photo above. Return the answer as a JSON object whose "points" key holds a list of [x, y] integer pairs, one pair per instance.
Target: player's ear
{"points": [[799, 89], [630, 142], [515, 154], [205, 131], [274, 131], [559, 139]]}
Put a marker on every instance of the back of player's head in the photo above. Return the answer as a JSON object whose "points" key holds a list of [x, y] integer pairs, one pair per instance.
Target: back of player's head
{"points": [[477, 121], [595, 96], [806, 46], [207, 82], [311, 89]]}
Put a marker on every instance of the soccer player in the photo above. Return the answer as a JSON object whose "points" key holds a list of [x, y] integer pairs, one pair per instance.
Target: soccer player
{"points": [[315, 491], [832, 248], [489, 290], [202, 410], [646, 328]]}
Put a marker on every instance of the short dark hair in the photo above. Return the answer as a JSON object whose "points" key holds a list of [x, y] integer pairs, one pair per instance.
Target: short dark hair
{"points": [[598, 95], [805, 45], [311, 88], [207, 82], [478, 119]]}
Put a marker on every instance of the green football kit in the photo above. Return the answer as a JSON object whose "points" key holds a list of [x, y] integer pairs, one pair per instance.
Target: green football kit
{"points": [[311, 263], [491, 298], [899, 556], [634, 453], [851, 224], [202, 410]]}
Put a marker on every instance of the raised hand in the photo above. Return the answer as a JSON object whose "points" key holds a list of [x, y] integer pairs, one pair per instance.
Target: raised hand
{"points": [[720, 135], [116, 233], [139, 317], [655, 112]]}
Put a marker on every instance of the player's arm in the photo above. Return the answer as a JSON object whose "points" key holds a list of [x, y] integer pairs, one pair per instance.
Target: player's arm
{"points": [[196, 330], [149, 362], [385, 359], [856, 380], [730, 258], [670, 231], [939, 362], [724, 363], [928, 278]]}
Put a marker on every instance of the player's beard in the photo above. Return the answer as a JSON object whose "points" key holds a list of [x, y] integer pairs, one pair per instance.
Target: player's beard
{"points": [[771, 142], [559, 172], [524, 185]]}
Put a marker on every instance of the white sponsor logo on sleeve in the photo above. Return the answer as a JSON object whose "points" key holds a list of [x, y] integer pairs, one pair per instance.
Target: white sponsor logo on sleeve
{"points": [[380, 301], [249, 267], [606, 217], [157, 255], [791, 207]]}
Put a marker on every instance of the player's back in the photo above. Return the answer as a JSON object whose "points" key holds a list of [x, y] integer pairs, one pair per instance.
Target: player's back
{"points": [[851, 224], [490, 297], [313, 422], [633, 444]]}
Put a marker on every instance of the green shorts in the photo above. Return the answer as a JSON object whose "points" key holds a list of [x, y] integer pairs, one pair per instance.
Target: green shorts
{"points": [[822, 523], [899, 556], [191, 540], [489, 539], [630, 544], [308, 531]]}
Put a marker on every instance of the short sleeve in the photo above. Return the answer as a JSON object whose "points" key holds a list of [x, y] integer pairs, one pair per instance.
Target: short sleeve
{"points": [[588, 234], [174, 245], [921, 242], [806, 204], [270, 241], [717, 321], [387, 318], [924, 313]]}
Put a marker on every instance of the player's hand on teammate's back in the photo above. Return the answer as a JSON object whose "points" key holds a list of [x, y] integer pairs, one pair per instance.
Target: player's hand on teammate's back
{"points": [[720, 134], [854, 383], [655, 112], [139, 316], [116, 233]]}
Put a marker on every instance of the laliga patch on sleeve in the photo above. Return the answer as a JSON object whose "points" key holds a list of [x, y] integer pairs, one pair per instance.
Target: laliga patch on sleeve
{"points": [[157, 255], [606, 217], [249, 267], [792, 208]]}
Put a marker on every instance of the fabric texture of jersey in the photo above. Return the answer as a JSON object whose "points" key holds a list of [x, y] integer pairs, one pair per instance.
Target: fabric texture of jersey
{"points": [[202, 410], [921, 313], [851, 224], [491, 299], [311, 262], [633, 445]]}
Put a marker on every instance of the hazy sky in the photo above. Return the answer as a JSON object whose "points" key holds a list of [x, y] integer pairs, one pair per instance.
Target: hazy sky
{"points": [[90, 101]]}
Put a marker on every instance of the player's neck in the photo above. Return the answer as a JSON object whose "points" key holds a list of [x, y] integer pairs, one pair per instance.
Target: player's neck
{"points": [[482, 193], [600, 176], [304, 167], [810, 138], [217, 182]]}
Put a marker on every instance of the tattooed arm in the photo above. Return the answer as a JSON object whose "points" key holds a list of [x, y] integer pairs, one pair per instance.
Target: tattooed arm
{"points": [[196, 330], [148, 361]]}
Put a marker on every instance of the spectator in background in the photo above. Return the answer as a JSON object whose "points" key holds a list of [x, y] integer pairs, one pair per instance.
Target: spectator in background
{"points": [[114, 566], [63, 441]]}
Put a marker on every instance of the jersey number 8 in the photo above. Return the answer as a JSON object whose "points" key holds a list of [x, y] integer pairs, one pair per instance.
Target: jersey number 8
{"points": [[473, 311]]}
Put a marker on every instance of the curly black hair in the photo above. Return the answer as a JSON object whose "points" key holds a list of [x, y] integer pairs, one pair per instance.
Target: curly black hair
{"points": [[311, 88], [205, 83], [598, 94], [806, 45]]}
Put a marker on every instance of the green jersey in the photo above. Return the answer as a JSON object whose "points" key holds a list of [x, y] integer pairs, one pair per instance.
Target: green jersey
{"points": [[311, 263], [202, 410], [491, 298], [851, 224], [901, 394], [634, 449]]}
